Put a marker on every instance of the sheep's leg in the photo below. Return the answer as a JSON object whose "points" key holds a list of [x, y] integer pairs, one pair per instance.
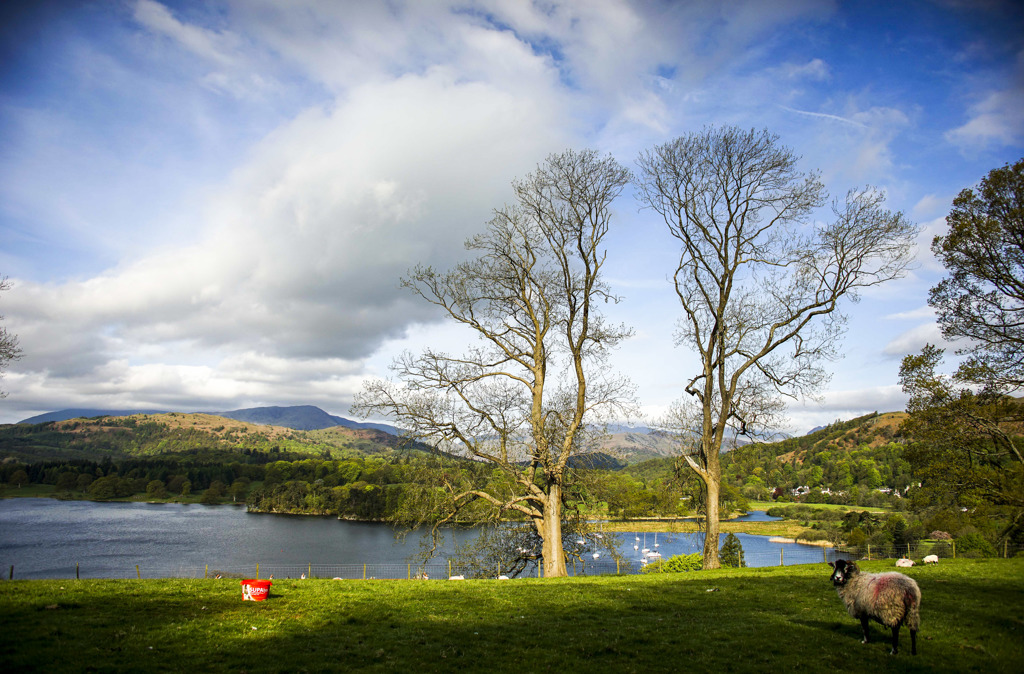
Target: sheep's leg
{"points": [[913, 642], [896, 640], [864, 626]]}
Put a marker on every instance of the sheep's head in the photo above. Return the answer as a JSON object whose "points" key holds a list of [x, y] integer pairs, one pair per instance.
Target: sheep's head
{"points": [[842, 571]]}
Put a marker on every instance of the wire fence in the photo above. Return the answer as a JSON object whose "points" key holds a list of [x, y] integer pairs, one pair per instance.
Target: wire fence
{"points": [[446, 569]]}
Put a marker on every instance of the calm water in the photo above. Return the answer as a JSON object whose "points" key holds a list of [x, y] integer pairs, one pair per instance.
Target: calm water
{"points": [[46, 538]]}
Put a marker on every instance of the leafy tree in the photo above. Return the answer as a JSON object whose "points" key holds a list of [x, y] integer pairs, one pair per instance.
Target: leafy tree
{"points": [[966, 445], [982, 298], [156, 489], [523, 398], [759, 287], [966, 426], [9, 349]]}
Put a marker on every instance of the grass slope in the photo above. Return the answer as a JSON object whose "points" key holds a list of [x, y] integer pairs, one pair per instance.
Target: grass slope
{"points": [[772, 619]]}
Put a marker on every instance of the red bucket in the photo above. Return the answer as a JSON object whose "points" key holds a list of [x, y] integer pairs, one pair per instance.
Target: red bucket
{"points": [[255, 590]]}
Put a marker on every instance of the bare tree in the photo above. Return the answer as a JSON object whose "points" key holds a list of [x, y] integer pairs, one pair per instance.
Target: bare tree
{"points": [[758, 282], [522, 399], [9, 349]]}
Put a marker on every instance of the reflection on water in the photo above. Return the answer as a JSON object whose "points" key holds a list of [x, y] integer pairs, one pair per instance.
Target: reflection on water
{"points": [[46, 538]]}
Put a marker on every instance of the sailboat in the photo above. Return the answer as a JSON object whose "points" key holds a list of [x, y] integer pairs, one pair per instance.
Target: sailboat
{"points": [[646, 549], [653, 554]]}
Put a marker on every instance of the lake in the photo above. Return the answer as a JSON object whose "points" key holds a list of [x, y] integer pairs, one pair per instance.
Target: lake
{"points": [[47, 538]]}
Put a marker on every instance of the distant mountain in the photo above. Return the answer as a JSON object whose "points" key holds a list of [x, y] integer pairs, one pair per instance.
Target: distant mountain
{"points": [[83, 413], [300, 418]]}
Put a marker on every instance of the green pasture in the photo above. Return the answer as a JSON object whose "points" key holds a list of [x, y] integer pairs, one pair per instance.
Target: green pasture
{"points": [[736, 620]]}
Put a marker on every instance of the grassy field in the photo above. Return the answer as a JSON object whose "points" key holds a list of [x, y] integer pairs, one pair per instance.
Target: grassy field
{"points": [[785, 528], [770, 619]]}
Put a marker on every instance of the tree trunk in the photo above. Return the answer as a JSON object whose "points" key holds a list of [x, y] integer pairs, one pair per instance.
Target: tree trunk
{"points": [[550, 530], [711, 525]]}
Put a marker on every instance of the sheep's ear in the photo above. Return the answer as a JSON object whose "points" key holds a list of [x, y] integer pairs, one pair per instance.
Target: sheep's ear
{"points": [[832, 564]]}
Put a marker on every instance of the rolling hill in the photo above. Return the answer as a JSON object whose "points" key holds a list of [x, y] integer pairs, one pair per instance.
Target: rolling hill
{"points": [[299, 417], [204, 436]]}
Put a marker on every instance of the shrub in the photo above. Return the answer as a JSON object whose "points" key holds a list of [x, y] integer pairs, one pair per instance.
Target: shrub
{"points": [[940, 536], [857, 538], [676, 564], [812, 535], [973, 544]]}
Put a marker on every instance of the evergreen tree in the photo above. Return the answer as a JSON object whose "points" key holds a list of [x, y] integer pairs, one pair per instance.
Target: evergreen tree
{"points": [[731, 553]]}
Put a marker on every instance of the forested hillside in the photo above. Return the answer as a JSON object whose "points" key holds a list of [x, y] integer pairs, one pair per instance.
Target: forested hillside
{"points": [[845, 462], [201, 435]]}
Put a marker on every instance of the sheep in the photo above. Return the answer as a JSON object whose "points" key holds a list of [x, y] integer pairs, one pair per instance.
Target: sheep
{"points": [[891, 599], [904, 562], [931, 559]]}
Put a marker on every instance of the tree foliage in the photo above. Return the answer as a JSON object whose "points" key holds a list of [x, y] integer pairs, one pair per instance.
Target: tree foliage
{"points": [[759, 283], [523, 399], [966, 428], [982, 298]]}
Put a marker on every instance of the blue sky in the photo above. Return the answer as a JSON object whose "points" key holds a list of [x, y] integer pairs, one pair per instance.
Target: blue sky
{"points": [[208, 205]]}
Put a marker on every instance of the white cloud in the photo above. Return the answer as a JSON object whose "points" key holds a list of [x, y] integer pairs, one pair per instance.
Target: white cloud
{"points": [[202, 42], [815, 70], [913, 314], [997, 118], [845, 405], [305, 245], [929, 205], [913, 340]]}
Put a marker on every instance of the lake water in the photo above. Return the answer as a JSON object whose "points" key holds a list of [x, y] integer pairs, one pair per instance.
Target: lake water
{"points": [[47, 538]]}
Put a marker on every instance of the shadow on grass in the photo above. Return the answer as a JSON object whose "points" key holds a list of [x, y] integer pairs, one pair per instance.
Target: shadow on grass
{"points": [[747, 622]]}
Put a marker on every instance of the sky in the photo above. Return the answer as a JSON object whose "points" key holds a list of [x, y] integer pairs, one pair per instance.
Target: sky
{"points": [[209, 205]]}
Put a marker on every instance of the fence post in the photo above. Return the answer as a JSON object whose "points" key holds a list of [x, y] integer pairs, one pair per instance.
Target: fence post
{"points": [[257, 570], [1006, 549], [12, 573], [869, 552], [137, 572], [954, 548], [781, 556], [309, 571], [449, 568], [206, 573], [408, 572], [76, 571], [617, 571], [364, 571]]}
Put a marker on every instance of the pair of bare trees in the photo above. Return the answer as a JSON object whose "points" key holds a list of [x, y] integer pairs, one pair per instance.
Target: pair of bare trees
{"points": [[758, 282]]}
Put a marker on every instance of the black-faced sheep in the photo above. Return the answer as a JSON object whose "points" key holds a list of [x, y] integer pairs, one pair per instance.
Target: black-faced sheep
{"points": [[889, 598]]}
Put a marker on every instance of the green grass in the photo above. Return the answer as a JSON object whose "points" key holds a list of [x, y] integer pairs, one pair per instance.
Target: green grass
{"points": [[765, 505], [770, 619]]}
